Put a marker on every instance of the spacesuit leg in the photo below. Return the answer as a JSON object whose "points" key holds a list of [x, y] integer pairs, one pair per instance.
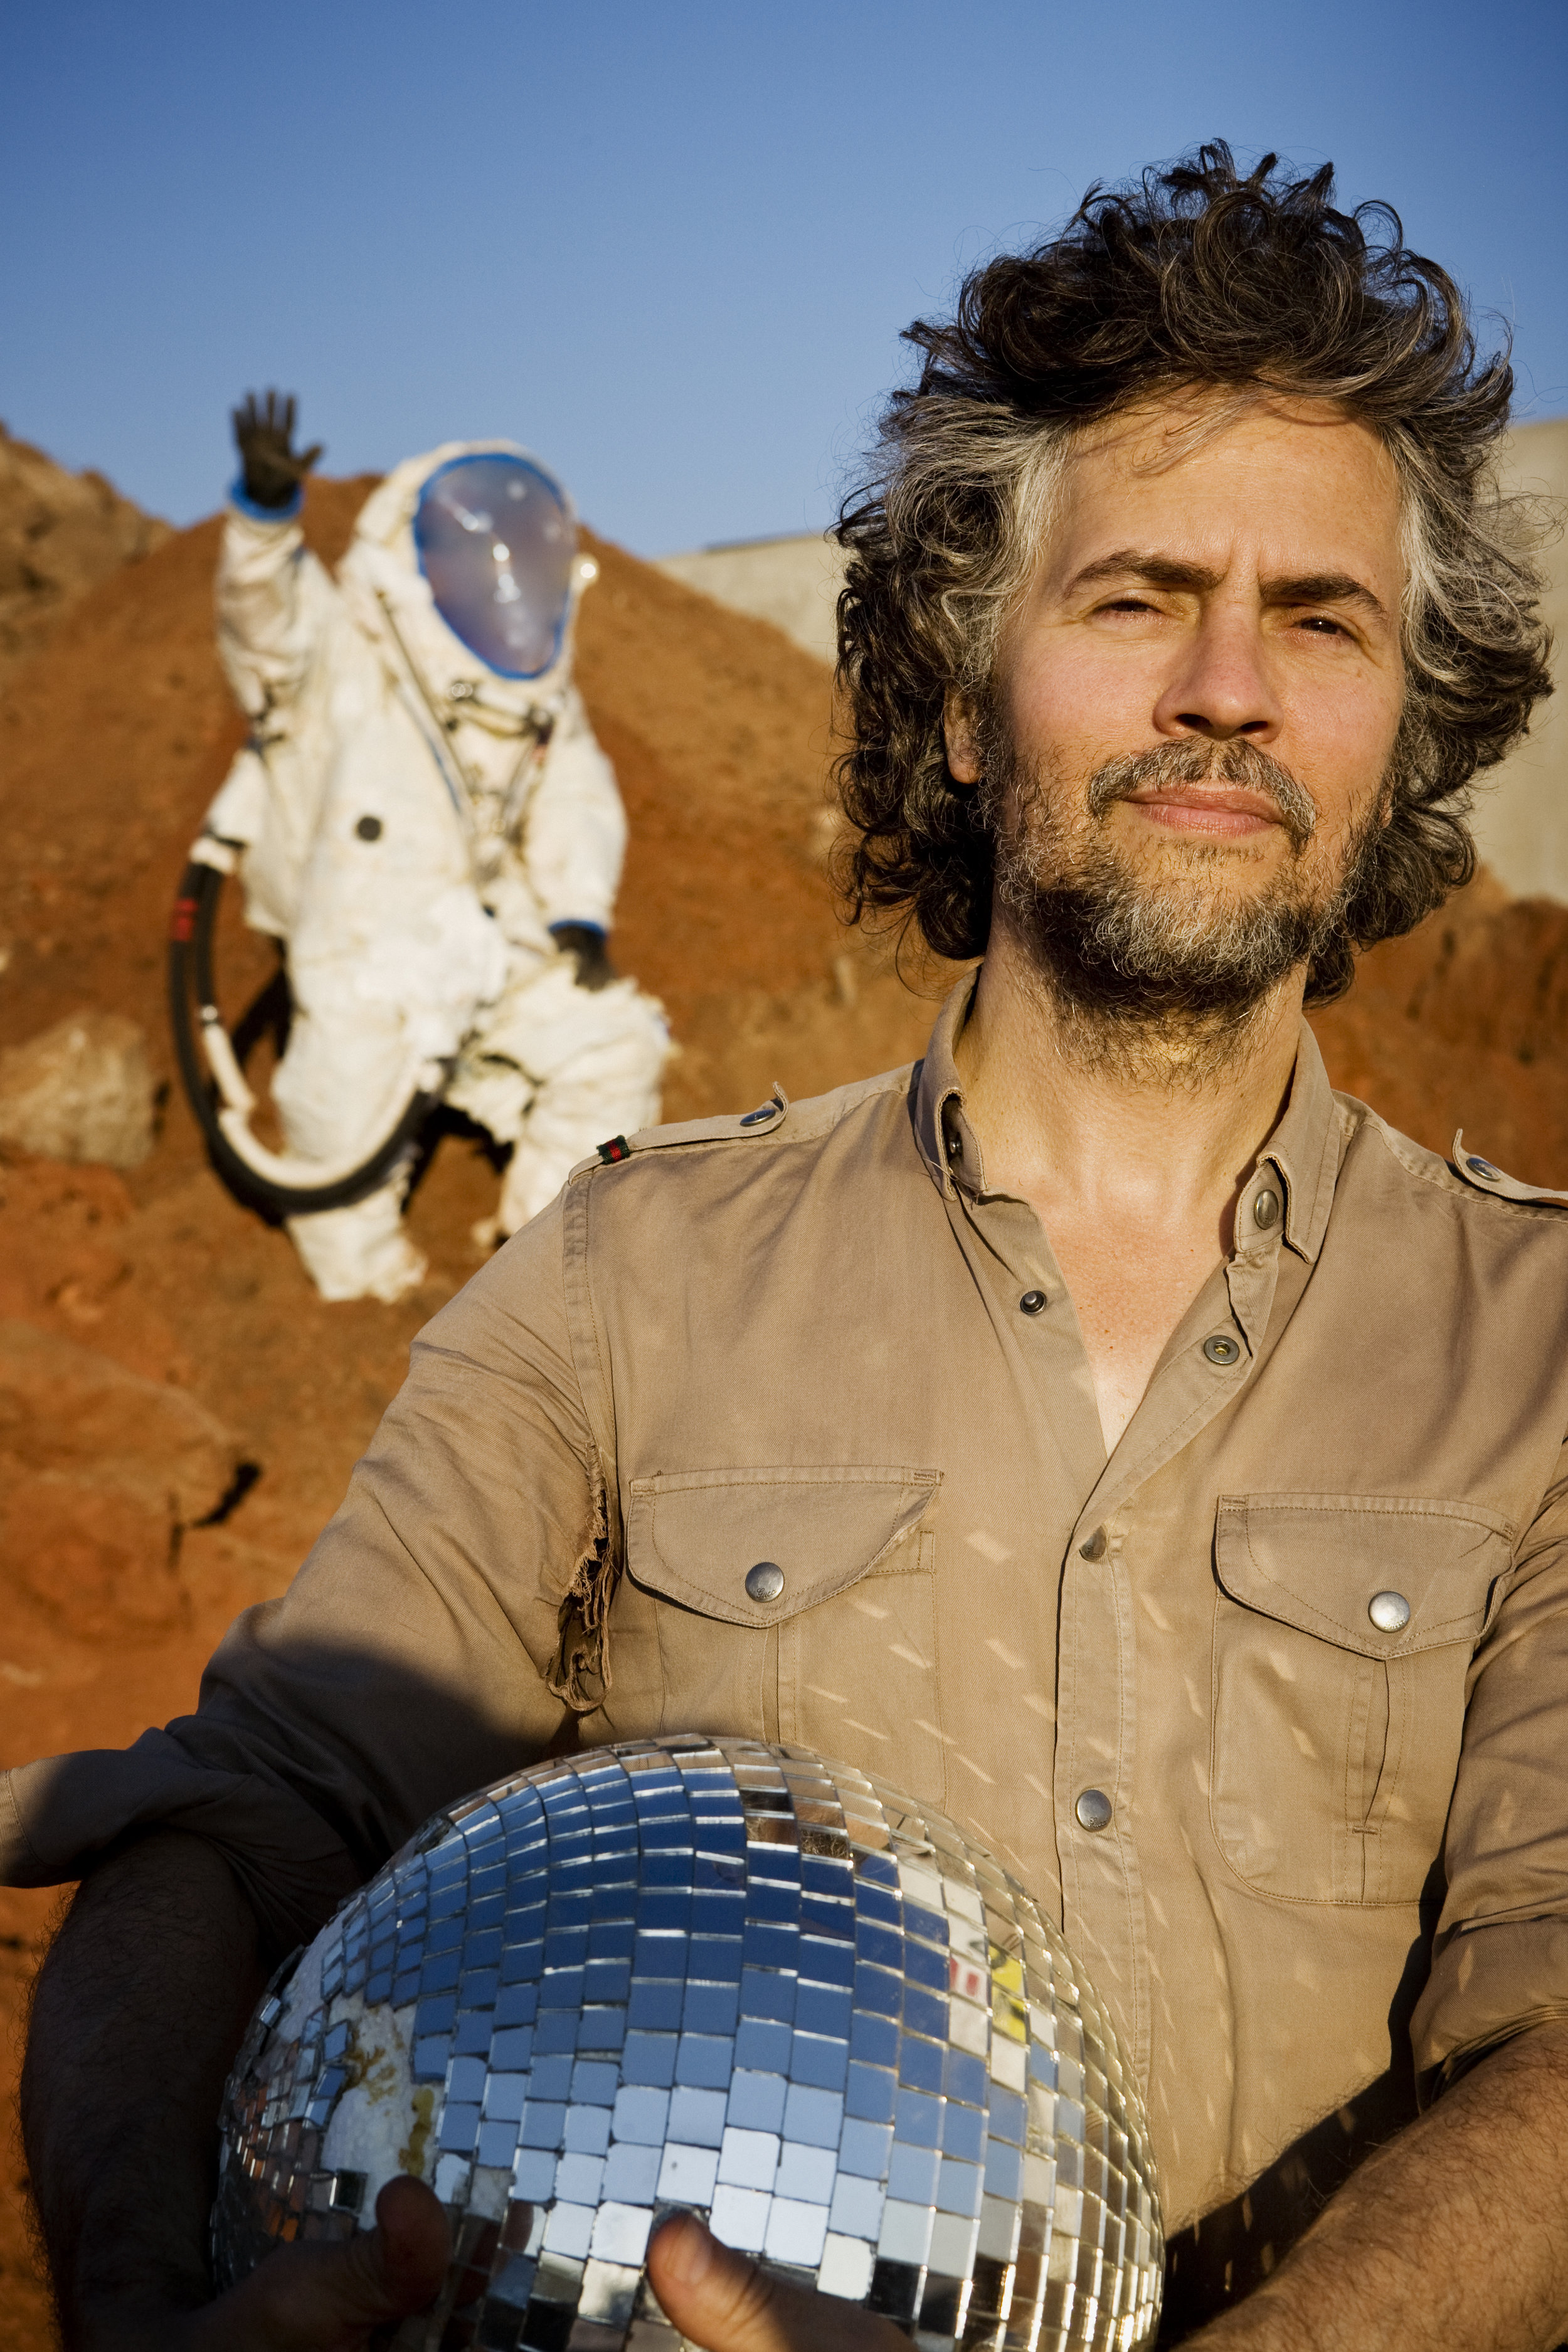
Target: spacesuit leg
{"points": [[594, 1059], [332, 1081], [363, 1251]]}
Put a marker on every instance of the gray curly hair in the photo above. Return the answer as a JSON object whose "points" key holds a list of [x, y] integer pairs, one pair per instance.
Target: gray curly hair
{"points": [[1195, 278]]}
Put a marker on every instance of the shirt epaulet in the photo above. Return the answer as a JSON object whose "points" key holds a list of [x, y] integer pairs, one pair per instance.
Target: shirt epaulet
{"points": [[768, 1119], [1486, 1177]]}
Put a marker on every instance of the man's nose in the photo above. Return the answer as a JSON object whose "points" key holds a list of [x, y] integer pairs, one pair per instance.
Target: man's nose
{"points": [[1220, 688]]}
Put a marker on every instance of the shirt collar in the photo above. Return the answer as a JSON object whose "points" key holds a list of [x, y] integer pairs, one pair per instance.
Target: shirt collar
{"points": [[1303, 1149], [946, 1139]]}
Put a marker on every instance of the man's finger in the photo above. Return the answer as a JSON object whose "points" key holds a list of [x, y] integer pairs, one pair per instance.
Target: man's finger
{"points": [[326, 2298], [725, 2302]]}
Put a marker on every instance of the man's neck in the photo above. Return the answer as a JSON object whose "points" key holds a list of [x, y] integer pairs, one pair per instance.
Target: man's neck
{"points": [[1131, 1151]]}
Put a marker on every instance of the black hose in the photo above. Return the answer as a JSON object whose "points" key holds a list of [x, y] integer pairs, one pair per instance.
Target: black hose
{"points": [[191, 990]]}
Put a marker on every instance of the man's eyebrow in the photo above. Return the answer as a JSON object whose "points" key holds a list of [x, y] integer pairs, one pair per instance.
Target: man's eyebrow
{"points": [[1137, 563], [1322, 588], [1167, 572]]}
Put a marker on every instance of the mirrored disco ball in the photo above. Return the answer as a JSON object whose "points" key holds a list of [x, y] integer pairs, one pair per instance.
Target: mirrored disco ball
{"points": [[709, 1974]]}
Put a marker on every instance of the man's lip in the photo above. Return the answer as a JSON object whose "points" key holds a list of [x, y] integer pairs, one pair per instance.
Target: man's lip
{"points": [[1207, 808]]}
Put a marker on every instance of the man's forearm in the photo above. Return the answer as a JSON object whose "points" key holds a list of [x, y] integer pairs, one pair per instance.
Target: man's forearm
{"points": [[138, 2009], [1454, 2238]]}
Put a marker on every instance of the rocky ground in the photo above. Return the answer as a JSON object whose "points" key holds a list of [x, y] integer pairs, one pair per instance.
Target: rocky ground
{"points": [[59, 534], [178, 1412]]}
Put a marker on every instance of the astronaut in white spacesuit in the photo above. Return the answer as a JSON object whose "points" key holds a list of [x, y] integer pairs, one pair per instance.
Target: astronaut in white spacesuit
{"points": [[428, 824]]}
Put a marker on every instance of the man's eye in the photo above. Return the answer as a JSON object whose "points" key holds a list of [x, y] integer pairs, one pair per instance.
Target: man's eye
{"points": [[1129, 604], [1322, 625]]}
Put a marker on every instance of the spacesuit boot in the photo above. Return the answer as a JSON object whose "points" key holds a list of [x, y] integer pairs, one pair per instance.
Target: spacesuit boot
{"points": [[363, 1251]]}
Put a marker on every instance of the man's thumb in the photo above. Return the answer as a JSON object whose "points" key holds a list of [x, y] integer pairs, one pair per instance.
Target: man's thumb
{"points": [[723, 2301], [402, 2261], [715, 2296]]}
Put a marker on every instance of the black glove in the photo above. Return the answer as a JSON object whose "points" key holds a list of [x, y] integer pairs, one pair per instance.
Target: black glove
{"points": [[587, 941], [262, 435]]}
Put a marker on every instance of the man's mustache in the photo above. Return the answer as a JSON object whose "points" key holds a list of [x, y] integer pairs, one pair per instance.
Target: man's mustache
{"points": [[1193, 761]]}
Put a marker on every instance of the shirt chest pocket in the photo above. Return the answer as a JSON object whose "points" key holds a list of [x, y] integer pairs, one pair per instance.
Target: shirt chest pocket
{"points": [[1344, 1627], [795, 1605]]}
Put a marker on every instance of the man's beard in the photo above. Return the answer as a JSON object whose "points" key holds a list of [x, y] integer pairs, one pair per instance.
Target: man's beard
{"points": [[1166, 968]]}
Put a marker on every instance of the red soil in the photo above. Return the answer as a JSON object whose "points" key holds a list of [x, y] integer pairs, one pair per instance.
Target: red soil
{"points": [[113, 740]]}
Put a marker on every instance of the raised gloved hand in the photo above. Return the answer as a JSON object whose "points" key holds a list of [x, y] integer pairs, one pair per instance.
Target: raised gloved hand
{"points": [[264, 433], [587, 941]]}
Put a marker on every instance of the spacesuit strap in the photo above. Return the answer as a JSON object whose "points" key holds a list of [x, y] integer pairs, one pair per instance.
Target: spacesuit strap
{"points": [[415, 696], [528, 774]]}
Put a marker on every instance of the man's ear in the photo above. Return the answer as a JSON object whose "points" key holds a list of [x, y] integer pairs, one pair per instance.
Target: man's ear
{"points": [[962, 738]]}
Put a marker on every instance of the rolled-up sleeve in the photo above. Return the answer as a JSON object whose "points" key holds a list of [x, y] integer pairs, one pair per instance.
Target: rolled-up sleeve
{"points": [[1501, 1954], [410, 1659]]}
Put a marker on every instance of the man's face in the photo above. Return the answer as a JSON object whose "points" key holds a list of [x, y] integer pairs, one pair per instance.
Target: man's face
{"points": [[1195, 704]]}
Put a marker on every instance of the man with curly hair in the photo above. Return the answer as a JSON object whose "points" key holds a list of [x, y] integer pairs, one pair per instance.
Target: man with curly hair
{"points": [[1156, 1460]]}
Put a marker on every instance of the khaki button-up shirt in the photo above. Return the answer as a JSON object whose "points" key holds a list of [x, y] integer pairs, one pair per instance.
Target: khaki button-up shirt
{"points": [[1304, 1634]]}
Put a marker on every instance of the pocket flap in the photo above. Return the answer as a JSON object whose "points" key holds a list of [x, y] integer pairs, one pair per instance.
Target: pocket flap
{"points": [[1317, 1561], [695, 1534]]}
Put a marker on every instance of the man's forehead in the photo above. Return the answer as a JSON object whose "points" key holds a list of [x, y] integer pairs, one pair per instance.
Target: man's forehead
{"points": [[1153, 435], [1202, 465]]}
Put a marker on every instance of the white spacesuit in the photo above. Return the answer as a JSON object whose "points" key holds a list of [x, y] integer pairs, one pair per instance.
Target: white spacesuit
{"points": [[421, 804]]}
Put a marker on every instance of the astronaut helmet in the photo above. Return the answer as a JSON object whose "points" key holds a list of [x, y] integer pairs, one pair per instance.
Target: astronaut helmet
{"points": [[498, 542], [471, 550]]}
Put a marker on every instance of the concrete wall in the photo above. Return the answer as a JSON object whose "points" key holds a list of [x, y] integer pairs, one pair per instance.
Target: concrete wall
{"points": [[793, 583], [1521, 808], [1520, 816]]}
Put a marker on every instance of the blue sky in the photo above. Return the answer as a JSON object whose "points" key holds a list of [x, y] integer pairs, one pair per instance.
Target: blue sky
{"points": [[671, 248]]}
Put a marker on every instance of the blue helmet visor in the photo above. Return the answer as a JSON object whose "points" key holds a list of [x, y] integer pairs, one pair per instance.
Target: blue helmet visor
{"points": [[496, 544]]}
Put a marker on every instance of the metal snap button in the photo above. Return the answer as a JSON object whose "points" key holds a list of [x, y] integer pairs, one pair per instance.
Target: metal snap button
{"points": [[1032, 1302], [1265, 1208], [1389, 1612], [955, 1146], [1093, 1547], [765, 1581], [755, 1117], [1482, 1168], [1093, 1810], [1220, 1350], [369, 828]]}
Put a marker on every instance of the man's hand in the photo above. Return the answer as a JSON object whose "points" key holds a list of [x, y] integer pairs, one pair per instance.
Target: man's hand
{"points": [[326, 2298], [585, 942], [138, 2007], [264, 436], [724, 2302]]}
